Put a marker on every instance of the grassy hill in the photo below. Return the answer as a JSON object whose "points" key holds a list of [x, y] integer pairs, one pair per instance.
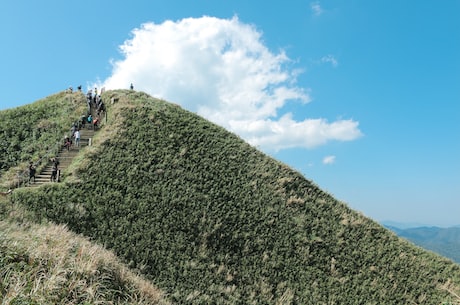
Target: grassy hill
{"points": [[209, 219], [48, 264]]}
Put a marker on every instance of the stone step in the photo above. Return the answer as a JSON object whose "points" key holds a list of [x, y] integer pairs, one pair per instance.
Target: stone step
{"points": [[42, 180], [48, 170], [45, 174], [65, 157]]}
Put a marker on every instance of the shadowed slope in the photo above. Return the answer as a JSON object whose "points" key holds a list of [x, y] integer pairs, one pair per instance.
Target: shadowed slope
{"points": [[210, 219]]}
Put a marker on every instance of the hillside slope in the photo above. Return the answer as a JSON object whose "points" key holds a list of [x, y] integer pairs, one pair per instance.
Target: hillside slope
{"points": [[210, 219], [47, 264]]}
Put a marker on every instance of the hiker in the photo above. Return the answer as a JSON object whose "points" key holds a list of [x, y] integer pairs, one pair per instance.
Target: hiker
{"points": [[32, 171], [94, 96], [96, 123], [54, 170], [88, 105], [72, 129], [83, 121], [131, 87], [77, 137], [79, 88], [67, 143], [89, 119], [100, 107]]}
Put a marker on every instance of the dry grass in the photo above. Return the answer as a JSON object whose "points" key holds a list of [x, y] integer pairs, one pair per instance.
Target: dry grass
{"points": [[60, 267]]}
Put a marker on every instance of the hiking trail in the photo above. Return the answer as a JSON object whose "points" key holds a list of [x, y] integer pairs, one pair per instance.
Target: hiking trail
{"points": [[65, 158]]}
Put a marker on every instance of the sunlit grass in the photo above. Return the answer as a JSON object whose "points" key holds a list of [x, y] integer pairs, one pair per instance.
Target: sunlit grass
{"points": [[48, 264], [212, 220]]}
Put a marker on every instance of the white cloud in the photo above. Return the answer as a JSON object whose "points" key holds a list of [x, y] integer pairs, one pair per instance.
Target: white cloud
{"points": [[221, 69], [330, 59], [286, 133], [316, 8], [329, 160]]}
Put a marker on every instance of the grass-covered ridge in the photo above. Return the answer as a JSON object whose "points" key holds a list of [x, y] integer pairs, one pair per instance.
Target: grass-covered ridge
{"points": [[210, 219], [48, 264]]}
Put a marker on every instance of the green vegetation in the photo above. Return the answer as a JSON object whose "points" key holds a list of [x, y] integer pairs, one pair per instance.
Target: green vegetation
{"points": [[34, 133], [47, 264], [211, 220]]}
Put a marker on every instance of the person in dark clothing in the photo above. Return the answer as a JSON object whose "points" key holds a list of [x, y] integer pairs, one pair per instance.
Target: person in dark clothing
{"points": [[100, 107], [54, 170], [82, 121], [72, 129], [32, 171], [67, 143]]}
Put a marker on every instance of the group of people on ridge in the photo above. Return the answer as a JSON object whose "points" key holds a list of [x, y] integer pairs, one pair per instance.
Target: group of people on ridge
{"points": [[94, 101]]}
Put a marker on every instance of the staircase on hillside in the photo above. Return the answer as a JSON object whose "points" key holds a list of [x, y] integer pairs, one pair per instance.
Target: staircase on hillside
{"points": [[65, 158]]}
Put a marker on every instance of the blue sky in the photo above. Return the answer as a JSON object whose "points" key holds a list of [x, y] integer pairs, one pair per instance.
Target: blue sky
{"points": [[360, 96]]}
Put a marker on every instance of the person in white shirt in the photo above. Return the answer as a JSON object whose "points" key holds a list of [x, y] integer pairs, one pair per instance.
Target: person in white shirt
{"points": [[77, 138]]}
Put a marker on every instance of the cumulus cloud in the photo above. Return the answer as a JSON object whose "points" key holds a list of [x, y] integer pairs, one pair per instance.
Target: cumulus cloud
{"points": [[286, 133], [329, 160], [221, 69]]}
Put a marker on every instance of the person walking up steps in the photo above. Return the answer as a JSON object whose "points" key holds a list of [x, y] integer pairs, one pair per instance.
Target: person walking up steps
{"points": [[54, 171], [67, 143], [77, 137], [32, 171]]}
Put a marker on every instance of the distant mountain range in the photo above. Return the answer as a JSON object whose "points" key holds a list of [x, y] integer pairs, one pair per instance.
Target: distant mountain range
{"points": [[444, 241]]}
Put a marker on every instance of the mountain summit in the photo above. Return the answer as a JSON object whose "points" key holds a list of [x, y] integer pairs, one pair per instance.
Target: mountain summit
{"points": [[210, 219]]}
